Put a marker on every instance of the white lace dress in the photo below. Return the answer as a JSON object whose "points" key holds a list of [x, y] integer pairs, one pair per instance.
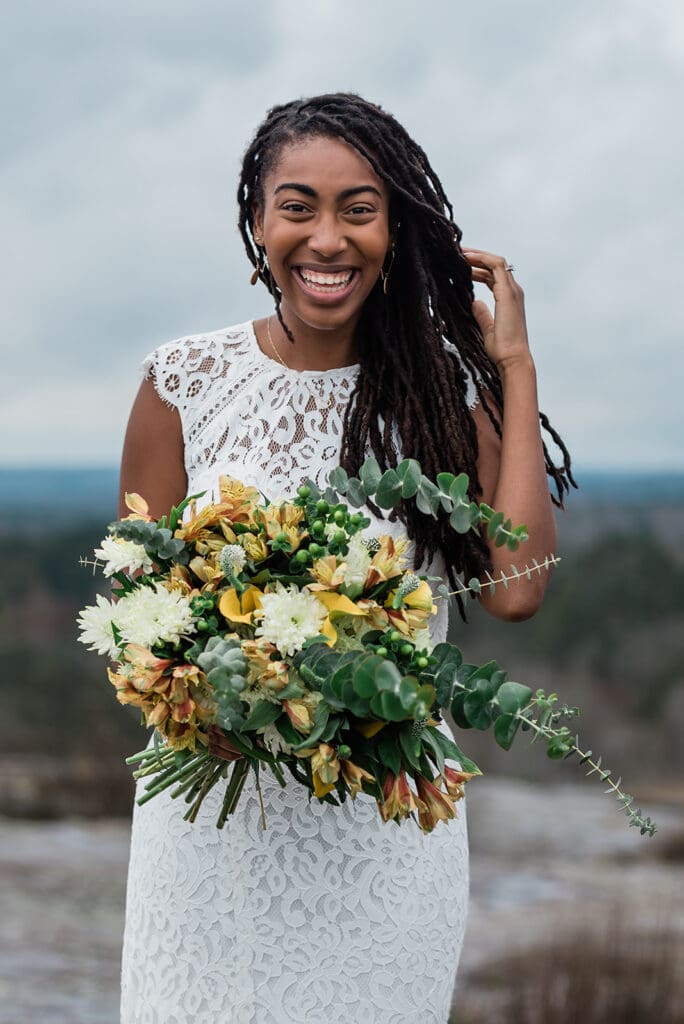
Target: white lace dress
{"points": [[329, 916]]}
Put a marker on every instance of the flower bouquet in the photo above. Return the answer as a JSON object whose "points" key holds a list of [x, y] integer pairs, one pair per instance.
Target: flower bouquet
{"points": [[298, 642]]}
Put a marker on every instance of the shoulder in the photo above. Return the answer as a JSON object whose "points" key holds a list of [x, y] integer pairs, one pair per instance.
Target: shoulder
{"points": [[183, 368]]}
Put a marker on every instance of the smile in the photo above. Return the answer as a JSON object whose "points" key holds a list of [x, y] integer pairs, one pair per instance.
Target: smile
{"points": [[326, 285]]}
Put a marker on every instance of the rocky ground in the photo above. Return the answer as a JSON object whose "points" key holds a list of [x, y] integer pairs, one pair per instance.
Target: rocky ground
{"points": [[547, 863]]}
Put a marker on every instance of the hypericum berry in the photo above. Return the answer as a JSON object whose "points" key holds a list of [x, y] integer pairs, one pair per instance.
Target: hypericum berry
{"points": [[281, 538], [395, 636], [304, 491], [409, 583], [315, 550], [381, 652], [322, 507], [422, 662], [318, 526], [406, 649], [339, 536], [339, 516], [343, 750], [302, 556]]}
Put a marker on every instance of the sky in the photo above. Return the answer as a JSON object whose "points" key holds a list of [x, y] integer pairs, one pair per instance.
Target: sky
{"points": [[555, 130]]}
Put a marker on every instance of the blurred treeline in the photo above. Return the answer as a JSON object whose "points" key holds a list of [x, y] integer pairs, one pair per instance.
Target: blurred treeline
{"points": [[609, 638]]}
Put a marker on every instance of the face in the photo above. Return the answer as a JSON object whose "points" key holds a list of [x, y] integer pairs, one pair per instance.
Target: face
{"points": [[325, 228]]}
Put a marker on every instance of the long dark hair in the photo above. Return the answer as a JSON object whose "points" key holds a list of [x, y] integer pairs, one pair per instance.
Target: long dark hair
{"points": [[411, 386]]}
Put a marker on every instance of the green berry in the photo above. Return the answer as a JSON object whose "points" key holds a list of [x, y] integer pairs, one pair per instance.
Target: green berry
{"points": [[281, 538], [302, 556], [304, 491], [343, 750], [318, 526], [322, 506], [406, 650], [422, 662], [339, 536], [395, 636], [202, 625], [339, 516], [381, 652]]}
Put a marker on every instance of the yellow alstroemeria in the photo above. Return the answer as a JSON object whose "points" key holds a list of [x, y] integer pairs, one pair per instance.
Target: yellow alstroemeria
{"points": [[454, 781], [337, 604], [255, 547], [354, 776], [240, 499], [138, 506], [327, 573], [300, 714], [240, 608], [285, 519], [387, 561], [325, 767]]}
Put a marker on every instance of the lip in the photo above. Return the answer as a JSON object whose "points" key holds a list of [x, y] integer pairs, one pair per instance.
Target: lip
{"points": [[321, 297]]}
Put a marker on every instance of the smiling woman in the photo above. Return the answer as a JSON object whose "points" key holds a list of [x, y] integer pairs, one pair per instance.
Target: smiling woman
{"points": [[375, 346]]}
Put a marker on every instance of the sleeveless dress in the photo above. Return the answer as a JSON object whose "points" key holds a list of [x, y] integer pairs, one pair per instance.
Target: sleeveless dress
{"points": [[330, 915]]}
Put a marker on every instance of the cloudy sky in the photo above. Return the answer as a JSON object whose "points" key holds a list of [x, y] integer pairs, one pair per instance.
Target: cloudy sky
{"points": [[555, 129]]}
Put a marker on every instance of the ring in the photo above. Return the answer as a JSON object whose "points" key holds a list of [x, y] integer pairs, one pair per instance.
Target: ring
{"points": [[509, 267]]}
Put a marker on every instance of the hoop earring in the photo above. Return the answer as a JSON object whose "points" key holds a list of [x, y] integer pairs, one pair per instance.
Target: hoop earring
{"points": [[384, 274], [258, 270]]}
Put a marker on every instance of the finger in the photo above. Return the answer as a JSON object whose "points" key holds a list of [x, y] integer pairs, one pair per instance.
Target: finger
{"points": [[483, 315], [487, 260]]}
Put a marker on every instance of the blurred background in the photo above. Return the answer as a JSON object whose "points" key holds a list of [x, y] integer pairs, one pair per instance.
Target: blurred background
{"points": [[554, 131]]}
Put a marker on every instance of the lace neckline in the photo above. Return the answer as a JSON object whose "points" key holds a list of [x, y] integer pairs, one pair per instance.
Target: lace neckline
{"points": [[337, 373]]}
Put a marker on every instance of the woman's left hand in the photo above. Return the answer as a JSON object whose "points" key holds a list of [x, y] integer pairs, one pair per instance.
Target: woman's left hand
{"points": [[505, 333]]}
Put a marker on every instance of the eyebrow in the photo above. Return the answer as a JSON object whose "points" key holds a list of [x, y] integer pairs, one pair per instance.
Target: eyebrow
{"points": [[308, 191]]}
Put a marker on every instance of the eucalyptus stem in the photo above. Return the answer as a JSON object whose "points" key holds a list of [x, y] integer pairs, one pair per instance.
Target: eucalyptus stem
{"points": [[212, 776], [636, 819]]}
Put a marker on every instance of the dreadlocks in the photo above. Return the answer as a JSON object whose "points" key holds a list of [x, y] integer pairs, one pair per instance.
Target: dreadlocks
{"points": [[425, 320]]}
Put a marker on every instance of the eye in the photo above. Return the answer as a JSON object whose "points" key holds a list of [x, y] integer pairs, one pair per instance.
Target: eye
{"points": [[294, 207], [360, 211]]}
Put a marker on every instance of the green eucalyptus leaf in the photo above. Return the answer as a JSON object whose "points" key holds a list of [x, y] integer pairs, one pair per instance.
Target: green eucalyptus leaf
{"points": [[477, 710], [391, 705], [513, 697], [505, 728], [459, 488], [356, 493], [364, 675], [338, 479], [459, 520], [408, 691], [427, 497], [370, 475], [409, 472], [388, 677], [388, 493]]}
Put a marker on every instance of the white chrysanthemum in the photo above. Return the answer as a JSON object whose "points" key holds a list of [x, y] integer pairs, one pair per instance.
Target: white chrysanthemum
{"points": [[358, 562], [120, 554], [95, 622], [148, 616], [289, 617], [232, 559]]}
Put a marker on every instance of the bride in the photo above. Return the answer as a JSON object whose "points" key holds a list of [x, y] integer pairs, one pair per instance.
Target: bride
{"points": [[375, 346]]}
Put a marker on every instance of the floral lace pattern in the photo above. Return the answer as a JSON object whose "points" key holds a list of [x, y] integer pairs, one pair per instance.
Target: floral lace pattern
{"points": [[329, 915]]}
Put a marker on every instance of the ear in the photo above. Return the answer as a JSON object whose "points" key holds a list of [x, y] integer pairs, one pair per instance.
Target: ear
{"points": [[257, 223]]}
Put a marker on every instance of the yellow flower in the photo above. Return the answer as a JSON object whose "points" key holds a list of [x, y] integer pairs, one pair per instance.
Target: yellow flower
{"points": [[354, 776], [275, 676], [368, 728], [240, 499], [337, 604], [387, 561], [138, 507], [285, 519], [256, 548], [300, 714], [398, 799], [325, 767], [454, 782], [240, 608], [327, 573]]}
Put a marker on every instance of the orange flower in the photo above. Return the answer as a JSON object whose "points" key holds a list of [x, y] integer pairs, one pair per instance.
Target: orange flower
{"points": [[300, 714], [455, 781], [325, 766], [387, 561], [437, 806], [398, 798], [327, 573], [285, 519]]}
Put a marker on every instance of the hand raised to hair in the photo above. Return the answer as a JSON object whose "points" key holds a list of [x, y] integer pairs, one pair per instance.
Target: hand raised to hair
{"points": [[505, 333]]}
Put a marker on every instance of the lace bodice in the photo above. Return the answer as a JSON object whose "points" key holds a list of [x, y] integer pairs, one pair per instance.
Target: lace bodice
{"points": [[329, 915], [246, 415]]}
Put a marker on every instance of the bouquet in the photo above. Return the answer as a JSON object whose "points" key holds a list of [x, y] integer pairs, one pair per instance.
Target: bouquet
{"points": [[299, 643]]}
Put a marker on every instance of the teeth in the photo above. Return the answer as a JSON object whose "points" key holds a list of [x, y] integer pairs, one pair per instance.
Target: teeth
{"points": [[328, 281]]}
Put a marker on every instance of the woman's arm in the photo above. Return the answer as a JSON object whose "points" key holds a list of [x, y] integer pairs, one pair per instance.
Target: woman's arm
{"points": [[152, 463], [511, 468]]}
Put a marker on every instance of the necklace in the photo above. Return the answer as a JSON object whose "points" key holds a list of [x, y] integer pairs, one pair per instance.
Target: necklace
{"points": [[277, 353]]}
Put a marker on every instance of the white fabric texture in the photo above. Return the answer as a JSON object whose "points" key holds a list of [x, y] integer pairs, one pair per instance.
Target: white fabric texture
{"points": [[330, 915]]}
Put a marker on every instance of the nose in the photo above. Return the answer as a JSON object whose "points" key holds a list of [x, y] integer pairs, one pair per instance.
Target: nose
{"points": [[328, 238]]}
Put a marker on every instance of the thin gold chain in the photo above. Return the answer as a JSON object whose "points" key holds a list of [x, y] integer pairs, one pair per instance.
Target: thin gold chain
{"points": [[277, 353]]}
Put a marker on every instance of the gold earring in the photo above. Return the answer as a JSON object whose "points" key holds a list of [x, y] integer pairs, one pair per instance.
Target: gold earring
{"points": [[384, 274]]}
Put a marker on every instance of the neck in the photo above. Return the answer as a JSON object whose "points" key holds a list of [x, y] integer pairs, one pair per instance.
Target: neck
{"points": [[313, 349]]}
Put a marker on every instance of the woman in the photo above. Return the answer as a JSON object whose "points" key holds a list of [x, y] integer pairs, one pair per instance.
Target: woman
{"points": [[375, 346]]}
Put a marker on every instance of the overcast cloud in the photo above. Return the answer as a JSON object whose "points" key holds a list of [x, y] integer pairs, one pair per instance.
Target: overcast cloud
{"points": [[556, 130]]}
